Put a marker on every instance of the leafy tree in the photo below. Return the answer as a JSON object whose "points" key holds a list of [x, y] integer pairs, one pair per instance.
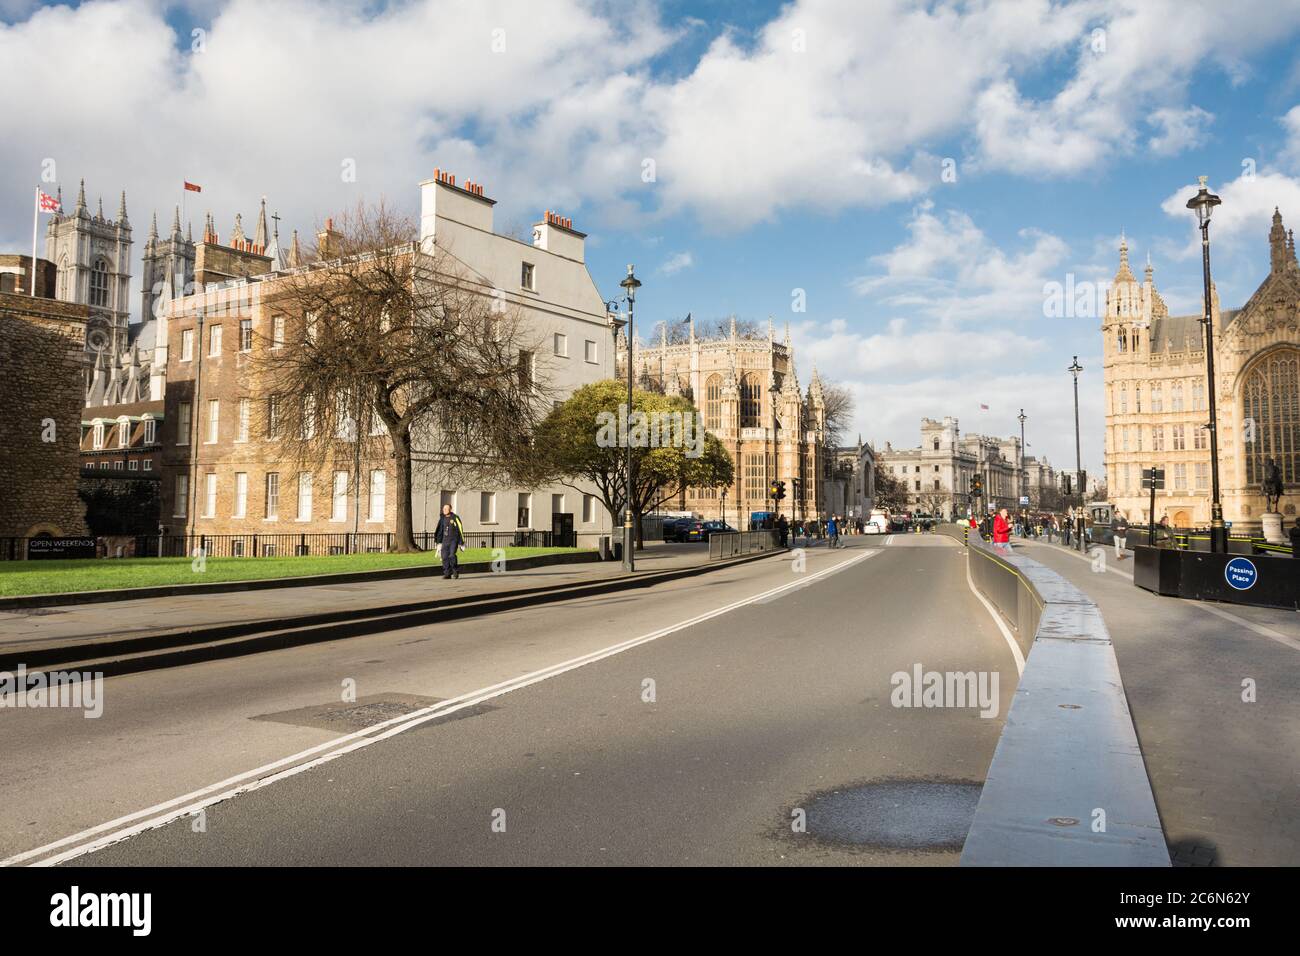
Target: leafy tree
{"points": [[573, 445]]}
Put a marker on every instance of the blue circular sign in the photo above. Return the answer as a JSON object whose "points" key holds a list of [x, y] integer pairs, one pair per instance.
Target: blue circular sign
{"points": [[1241, 573]]}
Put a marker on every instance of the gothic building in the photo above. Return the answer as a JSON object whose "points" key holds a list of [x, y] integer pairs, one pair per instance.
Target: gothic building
{"points": [[93, 258], [167, 267], [746, 387], [1157, 407]]}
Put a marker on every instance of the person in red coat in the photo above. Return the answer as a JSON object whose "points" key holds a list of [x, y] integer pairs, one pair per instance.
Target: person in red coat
{"points": [[1001, 528]]}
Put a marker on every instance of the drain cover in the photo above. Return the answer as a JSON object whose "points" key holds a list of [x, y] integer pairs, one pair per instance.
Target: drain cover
{"points": [[902, 814]]}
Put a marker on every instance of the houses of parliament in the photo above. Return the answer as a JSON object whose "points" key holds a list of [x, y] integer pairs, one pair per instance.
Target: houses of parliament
{"points": [[1157, 407]]}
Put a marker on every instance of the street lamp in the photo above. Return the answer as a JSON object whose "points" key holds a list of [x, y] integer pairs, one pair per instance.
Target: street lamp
{"points": [[630, 285], [1074, 369], [1024, 490], [1203, 204]]}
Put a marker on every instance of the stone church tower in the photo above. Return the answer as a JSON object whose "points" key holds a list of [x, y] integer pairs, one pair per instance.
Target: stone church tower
{"points": [[93, 257], [168, 267]]}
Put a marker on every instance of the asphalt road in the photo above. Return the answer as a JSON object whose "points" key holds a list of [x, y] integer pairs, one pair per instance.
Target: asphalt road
{"points": [[704, 744]]}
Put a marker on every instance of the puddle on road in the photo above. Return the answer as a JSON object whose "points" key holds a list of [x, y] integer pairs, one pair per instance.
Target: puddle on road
{"points": [[895, 814]]}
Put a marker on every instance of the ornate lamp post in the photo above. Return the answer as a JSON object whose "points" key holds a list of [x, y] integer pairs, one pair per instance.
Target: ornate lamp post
{"points": [[1203, 204], [1074, 369], [1024, 485], [630, 285]]}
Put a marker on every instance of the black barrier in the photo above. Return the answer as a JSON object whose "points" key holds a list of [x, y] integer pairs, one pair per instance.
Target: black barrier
{"points": [[1259, 580]]}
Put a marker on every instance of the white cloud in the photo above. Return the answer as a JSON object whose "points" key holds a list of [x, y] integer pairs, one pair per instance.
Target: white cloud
{"points": [[1291, 150], [950, 270], [1178, 129], [1239, 227], [676, 263]]}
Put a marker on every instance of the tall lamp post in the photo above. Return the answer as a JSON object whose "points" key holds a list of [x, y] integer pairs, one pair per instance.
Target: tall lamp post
{"points": [[630, 285], [1024, 490], [1074, 369], [1203, 204]]}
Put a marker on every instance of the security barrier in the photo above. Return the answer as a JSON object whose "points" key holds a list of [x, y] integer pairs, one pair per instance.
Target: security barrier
{"points": [[729, 544], [1067, 785]]}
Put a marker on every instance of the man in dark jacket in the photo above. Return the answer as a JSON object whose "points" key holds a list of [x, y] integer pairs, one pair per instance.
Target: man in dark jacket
{"points": [[1119, 528], [783, 529], [450, 537]]}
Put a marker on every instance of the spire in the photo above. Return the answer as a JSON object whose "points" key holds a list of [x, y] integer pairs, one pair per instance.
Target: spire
{"points": [[733, 326], [237, 234], [1125, 274], [209, 229], [259, 235], [121, 210], [1277, 242], [81, 199], [176, 223], [153, 227], [1150, 272], [100, 213], [787, 336], [1290, 247], [189, 233], [295, 254]]}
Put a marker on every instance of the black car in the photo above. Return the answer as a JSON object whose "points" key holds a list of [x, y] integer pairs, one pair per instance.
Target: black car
{"points": [[715, 527], [675, 527]]}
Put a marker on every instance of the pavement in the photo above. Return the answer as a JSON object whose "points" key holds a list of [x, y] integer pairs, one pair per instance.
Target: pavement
{"points": [[1225, 770], [26, 630], [694, 722]]}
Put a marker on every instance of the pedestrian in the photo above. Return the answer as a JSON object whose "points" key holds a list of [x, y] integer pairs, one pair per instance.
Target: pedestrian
{"points": [[833, 532], [1002, 528], [1119, 528], [1067, 529], [1162, 531], [783, 529], [1295, 539], [450, 537]]}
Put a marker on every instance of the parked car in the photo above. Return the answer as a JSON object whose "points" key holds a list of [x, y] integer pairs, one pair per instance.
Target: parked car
{"points": [[673, 528], [712, 527]]}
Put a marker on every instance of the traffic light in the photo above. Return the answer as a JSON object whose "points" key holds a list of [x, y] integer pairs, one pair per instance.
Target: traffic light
{"points": [[977, 485], [1069, 489], [777, 490]]}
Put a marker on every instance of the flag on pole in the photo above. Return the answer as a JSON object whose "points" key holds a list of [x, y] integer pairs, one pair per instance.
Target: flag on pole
{"points": [[985, 407], [192, 187], [46, 202]]}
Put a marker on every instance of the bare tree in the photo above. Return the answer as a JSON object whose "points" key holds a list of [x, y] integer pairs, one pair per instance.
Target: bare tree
{"points": [[837, 400], [387, 343]]}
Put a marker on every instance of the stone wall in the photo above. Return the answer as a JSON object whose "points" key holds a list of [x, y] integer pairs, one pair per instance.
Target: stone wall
{"points": [[41, 392]]}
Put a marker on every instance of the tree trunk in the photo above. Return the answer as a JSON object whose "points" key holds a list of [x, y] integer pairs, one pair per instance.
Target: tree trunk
{"points": [[404, 533]]}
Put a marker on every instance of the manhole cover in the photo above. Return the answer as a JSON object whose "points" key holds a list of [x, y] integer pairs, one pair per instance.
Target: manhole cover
{"points": [[902, 814]]}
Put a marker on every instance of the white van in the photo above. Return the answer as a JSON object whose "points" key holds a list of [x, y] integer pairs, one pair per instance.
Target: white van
{"points": [[878, 523]]}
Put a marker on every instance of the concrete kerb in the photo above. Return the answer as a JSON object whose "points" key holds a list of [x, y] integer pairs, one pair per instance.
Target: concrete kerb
{"points": [[111, 656], [1068, 785]]}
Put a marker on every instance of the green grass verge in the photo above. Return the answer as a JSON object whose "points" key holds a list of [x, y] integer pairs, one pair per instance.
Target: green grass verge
{"points": [[58, 577]]}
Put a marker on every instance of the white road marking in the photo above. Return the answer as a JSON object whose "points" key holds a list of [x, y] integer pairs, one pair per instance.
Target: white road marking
{"points": [[889, 540], [1259, 629], [826, 573], [161, 814]]}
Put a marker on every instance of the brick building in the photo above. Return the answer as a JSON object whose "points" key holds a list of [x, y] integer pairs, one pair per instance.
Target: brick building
{"points": [[228, 471], [42, 354]]}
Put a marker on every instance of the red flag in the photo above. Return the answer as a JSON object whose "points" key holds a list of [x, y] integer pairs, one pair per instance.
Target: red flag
{"points": [[47, 202], [193, 188]]}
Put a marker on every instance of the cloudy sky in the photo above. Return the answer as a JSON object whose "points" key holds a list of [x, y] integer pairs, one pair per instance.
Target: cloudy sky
{"points": [[900, 182]]}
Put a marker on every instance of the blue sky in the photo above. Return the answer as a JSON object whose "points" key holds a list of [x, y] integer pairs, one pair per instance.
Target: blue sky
{"points": [[798, 146]]}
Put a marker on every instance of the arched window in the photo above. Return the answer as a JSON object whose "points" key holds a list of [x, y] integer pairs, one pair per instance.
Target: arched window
{"points": [[1123, 341], [63, 280], [751, 403], [99, 283], [1271, 397], [713, 403]]}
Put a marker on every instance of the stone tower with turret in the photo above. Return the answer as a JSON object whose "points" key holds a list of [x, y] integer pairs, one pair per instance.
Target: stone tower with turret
{"points": [[167, 269], [93, 256]]}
